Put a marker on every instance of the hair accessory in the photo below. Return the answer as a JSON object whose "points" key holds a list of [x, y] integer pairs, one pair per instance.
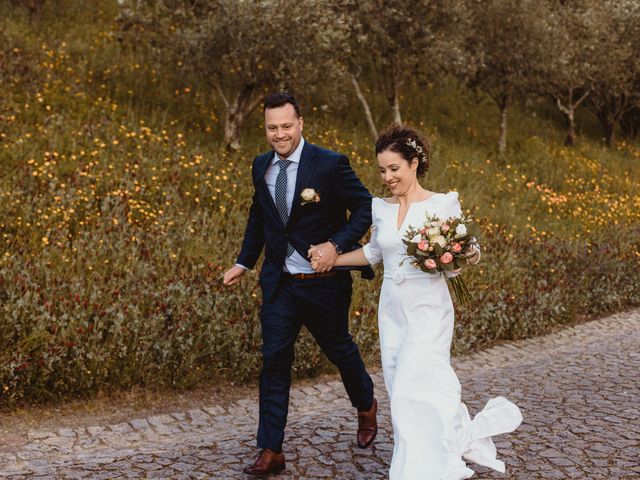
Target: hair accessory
{"points": [[413, 144]]}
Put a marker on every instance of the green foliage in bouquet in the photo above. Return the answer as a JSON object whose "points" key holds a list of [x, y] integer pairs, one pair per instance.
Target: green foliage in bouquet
{"points": [[440, 246]]}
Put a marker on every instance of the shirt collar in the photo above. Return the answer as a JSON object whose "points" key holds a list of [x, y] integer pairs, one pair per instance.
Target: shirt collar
{"points": [[294, 157]]}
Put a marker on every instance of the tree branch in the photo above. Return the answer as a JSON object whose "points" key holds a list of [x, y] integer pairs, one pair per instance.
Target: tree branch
{"points": [[365, 105], [254, 104], [584, 96], [224, 99], [561, 107]]}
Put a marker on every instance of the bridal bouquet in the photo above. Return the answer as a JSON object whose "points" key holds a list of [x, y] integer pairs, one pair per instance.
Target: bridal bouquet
{"points": [[443, 245]]}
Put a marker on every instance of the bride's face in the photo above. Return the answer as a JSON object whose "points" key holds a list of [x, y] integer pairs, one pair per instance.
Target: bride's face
{"points": [[396, 172]]}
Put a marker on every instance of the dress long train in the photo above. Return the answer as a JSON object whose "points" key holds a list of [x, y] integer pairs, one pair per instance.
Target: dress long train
{"points": [[432, 427]]}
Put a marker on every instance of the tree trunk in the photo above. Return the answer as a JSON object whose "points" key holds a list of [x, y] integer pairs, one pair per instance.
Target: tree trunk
{"points": [[237, 112], [502, 139], [570, 141], [390, 86], [608, 127], [365, 105], [610, 132], [394, 102], [232, 125], [630, 124], [568, 112]]}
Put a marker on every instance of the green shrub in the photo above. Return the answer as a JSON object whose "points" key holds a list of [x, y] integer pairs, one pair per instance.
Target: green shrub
{"points": [[119, 215]]}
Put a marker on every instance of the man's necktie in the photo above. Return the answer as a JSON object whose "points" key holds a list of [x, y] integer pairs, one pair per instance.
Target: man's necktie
{"points": [[281, 196]]}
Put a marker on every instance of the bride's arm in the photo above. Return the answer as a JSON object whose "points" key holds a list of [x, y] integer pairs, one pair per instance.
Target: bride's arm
{"points": [[353, 258], [370, 254]]}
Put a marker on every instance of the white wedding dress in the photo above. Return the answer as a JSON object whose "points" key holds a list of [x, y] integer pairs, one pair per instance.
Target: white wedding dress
{"points": [[432, 428]]}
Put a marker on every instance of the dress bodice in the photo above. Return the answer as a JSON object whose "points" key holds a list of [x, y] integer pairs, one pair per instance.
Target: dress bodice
{"points": [[386, 239]]}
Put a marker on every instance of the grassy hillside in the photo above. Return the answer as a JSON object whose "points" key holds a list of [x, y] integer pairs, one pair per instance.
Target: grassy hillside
{"points": [[119, 214]]}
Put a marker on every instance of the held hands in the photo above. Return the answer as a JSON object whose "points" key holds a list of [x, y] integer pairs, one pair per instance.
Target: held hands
{"points": [[322, 256], [232, 276]]}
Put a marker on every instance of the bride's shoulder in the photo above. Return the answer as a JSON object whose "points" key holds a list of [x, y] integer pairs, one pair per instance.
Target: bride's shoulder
{"points": [[449, 197], [451, 204], [380, 208], [452, 195], [444, 204]]}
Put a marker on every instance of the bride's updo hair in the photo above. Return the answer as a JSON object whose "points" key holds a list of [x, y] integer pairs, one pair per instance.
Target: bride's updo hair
{"points": [[406, 142]]}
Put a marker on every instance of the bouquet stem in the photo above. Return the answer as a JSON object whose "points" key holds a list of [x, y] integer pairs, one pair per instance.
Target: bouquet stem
{"points": [[460, 290]]}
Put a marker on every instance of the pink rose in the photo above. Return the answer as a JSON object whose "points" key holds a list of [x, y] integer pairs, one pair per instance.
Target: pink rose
{"points": [[446, 257], [423, 245], [445, 228], [423, 231], [456, 247], [430, 263]]}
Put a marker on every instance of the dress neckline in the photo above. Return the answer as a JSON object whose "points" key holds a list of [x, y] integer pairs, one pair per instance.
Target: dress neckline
{"points": [[406, 215]]}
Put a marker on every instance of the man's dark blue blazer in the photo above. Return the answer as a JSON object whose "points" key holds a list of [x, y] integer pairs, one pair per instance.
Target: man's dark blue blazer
{"points": [[340, 190]]}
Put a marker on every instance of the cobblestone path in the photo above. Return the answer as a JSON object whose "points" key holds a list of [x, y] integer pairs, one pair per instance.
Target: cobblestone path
{"points": [[578, 390]]}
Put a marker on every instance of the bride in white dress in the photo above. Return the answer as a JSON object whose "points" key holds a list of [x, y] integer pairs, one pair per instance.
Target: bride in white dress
{"points": [[432, 428]]}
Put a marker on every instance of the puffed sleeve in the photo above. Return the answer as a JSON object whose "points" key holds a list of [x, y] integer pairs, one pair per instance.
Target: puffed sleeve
{"points": [[371, 250], [453, 205]]}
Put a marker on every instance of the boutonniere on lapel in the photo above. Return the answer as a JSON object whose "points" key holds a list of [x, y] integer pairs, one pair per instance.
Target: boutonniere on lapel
{"points": [[309, 195]]}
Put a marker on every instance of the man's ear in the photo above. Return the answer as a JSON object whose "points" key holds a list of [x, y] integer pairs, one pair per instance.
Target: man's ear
{"points": [[301, 120]]}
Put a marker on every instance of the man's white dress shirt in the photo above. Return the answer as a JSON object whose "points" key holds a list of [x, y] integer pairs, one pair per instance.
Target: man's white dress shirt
{"points": [[294, 263]]}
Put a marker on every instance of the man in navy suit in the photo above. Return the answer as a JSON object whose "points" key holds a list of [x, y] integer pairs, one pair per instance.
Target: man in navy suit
{"points": [[302, 195]]}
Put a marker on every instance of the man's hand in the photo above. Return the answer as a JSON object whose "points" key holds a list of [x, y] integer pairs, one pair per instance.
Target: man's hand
{"points": [[322, 257], [232, 276]]}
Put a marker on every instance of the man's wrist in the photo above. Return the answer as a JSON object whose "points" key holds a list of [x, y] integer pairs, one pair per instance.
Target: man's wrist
{"points": [[335, 245]]}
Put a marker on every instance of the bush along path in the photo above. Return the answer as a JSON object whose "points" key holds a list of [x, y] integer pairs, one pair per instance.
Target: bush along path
{"points": [[577, 389]]}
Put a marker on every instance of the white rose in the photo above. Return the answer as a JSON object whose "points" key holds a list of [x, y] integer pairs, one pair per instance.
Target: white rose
{"points": [[461, 230], [308, 194], [440, 240], [416, 239], [433, 232]]}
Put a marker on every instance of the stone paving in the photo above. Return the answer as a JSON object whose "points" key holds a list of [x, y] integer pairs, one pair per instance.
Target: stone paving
{"points": [[578, 390]]}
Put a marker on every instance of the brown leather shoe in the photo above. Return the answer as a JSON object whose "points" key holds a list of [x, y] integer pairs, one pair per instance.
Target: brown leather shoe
{"points": [[268, 462], [367, 426]]}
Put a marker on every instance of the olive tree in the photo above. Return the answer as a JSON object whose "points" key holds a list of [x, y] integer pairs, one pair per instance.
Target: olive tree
{"points": [[568, 57], [393, 41], [245, 49], [617, 61], [508, 38]]}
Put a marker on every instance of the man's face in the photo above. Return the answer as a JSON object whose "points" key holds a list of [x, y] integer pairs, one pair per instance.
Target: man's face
{"points": [[284, 129]]}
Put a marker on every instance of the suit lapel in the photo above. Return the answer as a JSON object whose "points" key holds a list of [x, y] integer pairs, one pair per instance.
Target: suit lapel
{"points": [[306, 168], [261, 170]]}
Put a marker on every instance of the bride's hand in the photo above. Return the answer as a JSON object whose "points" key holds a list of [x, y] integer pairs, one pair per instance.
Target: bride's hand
{"points": [[314, 257], [473, 256], [322, 257]]}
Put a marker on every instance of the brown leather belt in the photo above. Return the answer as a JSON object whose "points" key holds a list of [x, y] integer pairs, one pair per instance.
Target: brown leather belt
{"points": [[307, 276]]}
